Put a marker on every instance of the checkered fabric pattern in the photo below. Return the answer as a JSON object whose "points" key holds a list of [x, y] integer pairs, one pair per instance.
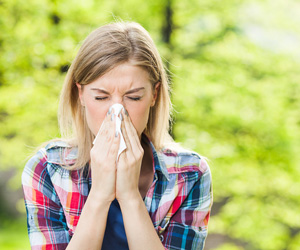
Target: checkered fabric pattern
{"points": [[179, 200]]}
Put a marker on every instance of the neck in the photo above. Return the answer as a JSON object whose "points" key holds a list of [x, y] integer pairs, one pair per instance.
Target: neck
{"points": [[147, 171]]}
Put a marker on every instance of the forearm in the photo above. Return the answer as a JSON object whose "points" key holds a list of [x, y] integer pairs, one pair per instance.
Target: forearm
{"points": [[91, 226], [139, 228]]}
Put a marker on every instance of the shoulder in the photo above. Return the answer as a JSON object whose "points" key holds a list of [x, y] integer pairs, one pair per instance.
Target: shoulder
{"points": [[178, 159], [61, 152], [58, 153]]}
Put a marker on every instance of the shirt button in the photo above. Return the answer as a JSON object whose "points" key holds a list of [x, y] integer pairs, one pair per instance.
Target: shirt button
{"points": [[161, 238]]}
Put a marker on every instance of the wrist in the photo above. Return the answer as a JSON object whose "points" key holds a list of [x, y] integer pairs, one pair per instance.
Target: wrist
{"points": [[132, 201], [98, 200]]}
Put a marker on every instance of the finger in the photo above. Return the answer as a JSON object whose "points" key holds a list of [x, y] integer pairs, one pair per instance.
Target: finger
{"points": [[111, 128], [132, 135], [105, 137], [110, 125], [106, 124], [103, 129], [126, 139], [130, 128], [114, 148]]}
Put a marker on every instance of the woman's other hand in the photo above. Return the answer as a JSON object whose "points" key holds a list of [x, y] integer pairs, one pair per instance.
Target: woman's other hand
{"points": [[129, 164]]}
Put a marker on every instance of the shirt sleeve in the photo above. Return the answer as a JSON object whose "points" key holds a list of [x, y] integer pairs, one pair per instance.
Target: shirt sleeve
{"points": [[46, 222], [187, 228]]}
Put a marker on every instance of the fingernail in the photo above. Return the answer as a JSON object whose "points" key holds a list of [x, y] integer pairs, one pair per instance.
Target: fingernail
{"points": [[116, 134], [109, 111], [126, 113], [112, 117]]}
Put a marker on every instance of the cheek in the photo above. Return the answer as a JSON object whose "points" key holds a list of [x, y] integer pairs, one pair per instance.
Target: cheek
{"points": [[139, 114], [95, 114]]}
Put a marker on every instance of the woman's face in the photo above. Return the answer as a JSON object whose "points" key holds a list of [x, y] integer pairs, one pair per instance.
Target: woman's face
{"points": [[125, 84]]}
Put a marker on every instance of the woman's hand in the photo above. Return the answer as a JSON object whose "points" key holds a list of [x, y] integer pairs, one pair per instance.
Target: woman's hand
{"points": [[129, 164], [103, 162]]}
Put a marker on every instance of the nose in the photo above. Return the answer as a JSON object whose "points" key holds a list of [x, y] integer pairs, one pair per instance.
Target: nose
{"points": [[117, 99], [116, 109]]}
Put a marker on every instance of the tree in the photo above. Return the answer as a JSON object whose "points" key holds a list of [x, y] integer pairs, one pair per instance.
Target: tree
{"points": [[235, 92]]}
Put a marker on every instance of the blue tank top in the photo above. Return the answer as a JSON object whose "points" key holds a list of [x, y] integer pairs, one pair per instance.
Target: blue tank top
{"points": [[114, 236]]}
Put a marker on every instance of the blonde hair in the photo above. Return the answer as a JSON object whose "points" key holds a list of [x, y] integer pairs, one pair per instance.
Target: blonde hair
{"points": [[104, 49]]}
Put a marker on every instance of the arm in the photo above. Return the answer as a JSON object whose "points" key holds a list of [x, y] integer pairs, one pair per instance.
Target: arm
{"points": [[139, 228], [187, 228], [46, 222], [47, 225], [91, 226]]}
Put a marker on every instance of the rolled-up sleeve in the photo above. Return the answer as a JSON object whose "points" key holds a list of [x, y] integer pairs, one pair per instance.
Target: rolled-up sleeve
{"points": [[47, 228]]}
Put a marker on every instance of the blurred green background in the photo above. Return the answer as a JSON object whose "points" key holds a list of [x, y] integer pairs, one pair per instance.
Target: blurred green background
{"points": [[235, 79]]}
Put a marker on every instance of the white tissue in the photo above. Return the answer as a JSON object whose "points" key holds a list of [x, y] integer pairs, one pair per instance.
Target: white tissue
{"points": [[116, 110]]}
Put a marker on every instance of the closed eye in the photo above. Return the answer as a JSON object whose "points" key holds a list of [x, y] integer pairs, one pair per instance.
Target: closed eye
{"points": [[134, 98], [98, 98]]}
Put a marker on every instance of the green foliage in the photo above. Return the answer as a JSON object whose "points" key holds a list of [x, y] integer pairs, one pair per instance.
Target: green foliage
{"points": [[13, 235], [235, 87], [238, 105]]}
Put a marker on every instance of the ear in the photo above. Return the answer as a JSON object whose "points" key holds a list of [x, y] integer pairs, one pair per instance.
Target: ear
{"points": [[156, 89], [80, 93]]}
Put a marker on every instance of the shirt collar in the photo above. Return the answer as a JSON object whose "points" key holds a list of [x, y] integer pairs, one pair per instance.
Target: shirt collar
{"points": [[159, 164]]}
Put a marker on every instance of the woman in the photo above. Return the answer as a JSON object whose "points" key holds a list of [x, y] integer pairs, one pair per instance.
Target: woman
{"points": [[83, 195]]}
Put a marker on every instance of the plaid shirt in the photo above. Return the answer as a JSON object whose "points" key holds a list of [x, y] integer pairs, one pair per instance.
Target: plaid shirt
{"points": [[178, 201]]}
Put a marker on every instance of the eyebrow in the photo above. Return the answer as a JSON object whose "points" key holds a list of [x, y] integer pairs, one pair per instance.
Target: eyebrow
{"points": [[128, 92]]}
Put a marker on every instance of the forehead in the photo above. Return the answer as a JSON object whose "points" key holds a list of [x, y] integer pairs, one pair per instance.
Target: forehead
{"points": [[123, 76]]}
